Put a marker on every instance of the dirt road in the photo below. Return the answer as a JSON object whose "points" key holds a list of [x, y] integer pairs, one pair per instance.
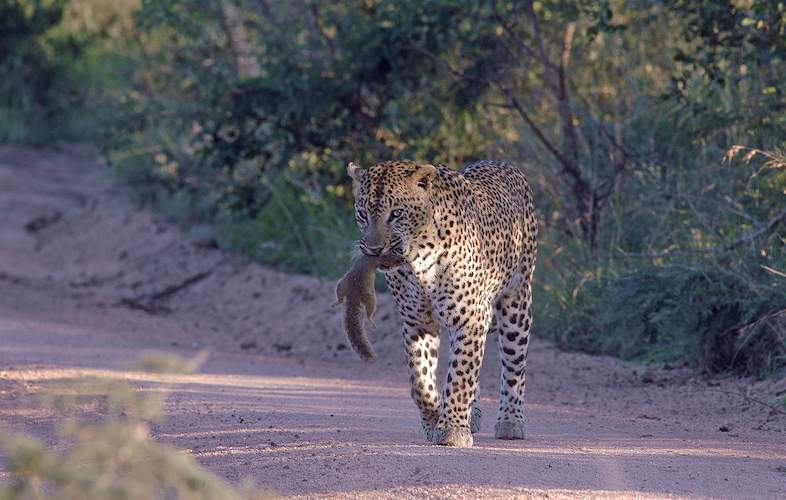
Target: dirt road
{"points": [[88, 281]]}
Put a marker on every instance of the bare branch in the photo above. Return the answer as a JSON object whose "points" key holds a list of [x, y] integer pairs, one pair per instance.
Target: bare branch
{"points": [[587, 203], [246, 63], [565, 111], [613, 138], [567, 45], [566, 163], [771, 225], [524, 46], [456, 73], [316, 19], [536, 29]]}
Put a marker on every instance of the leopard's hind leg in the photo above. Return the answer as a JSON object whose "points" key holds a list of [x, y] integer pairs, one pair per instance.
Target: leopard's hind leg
{"points": [[513, 314], [476, 415]]}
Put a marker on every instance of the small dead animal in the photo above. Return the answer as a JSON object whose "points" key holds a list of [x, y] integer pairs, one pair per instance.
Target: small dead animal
{"points": [[356, 289]]}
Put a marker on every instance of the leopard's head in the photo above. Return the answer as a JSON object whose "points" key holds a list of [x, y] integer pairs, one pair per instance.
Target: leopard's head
{"points": [[392, 205]]}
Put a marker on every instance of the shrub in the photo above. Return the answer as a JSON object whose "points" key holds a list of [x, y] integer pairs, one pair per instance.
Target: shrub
{"points": [[114, 457], [704, 316]]}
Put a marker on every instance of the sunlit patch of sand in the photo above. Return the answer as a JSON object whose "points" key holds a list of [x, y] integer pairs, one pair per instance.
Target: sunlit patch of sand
{"points": [[463, 491]]}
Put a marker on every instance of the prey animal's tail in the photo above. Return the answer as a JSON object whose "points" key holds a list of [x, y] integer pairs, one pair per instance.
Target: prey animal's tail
{"points": [[353, 325]]}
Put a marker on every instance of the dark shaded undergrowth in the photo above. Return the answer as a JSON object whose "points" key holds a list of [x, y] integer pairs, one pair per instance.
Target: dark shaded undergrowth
{"points": [[243, 119]]}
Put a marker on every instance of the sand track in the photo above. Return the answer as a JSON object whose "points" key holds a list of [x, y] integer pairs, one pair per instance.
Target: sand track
{"points": [[88, 281]]}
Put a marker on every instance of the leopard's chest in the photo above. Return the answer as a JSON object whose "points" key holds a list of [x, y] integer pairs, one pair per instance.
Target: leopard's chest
{"points": [[427, 268]]}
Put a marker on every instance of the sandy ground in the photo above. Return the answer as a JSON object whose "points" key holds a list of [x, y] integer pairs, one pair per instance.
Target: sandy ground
{"points": [[89, 281]]}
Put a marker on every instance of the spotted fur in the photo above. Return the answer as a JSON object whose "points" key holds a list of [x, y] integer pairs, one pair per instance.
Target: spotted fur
{"points": [[468, 241]]}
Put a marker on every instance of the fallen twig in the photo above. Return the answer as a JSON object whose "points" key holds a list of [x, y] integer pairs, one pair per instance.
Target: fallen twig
{"points": [[774, 409], [148, 302]]}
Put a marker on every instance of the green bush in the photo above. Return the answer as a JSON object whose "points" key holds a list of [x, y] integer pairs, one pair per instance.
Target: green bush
{"points": [[231, 113], [712, 297], [114, 457], [707, 317], [294, 233], [621, 165], [63, 63]]}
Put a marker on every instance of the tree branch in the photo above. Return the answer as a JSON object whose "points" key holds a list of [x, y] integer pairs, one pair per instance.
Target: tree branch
{"points": [[536, 29], [458, 74], [568, 165], [565, 111], [316, 19], [246, 63], [518, 39]]}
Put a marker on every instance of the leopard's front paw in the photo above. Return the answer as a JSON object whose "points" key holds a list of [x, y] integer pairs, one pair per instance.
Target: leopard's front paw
{"points": [[457, 437]]}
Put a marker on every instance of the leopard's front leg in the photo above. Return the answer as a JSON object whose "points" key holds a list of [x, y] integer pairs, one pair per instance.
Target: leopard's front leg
{"points": [[421, 344], [422, 347], [468, 328]]}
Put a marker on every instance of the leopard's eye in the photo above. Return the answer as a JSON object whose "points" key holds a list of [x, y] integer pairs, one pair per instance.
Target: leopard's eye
{"points": [[395, 214], [360, 215]]}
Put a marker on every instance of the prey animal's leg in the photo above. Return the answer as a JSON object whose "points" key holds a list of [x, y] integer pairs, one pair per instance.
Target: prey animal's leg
{"points": [[467, 342], [513, 312], [421, 344]]}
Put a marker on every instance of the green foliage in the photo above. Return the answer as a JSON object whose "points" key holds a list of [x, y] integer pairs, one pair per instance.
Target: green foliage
{"points": [[732, 64], [114, 457], [352, 88], [707, 317], [293, 233], [712, 297], [27, 89], [63, 62], [244, 116]]}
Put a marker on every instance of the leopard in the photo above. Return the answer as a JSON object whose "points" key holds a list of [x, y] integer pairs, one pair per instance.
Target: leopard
{"points": [[464, 244]]}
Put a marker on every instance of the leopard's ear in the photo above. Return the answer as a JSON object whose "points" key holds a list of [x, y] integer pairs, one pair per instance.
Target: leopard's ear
{"points": [[424, 176], [354, 171]]}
